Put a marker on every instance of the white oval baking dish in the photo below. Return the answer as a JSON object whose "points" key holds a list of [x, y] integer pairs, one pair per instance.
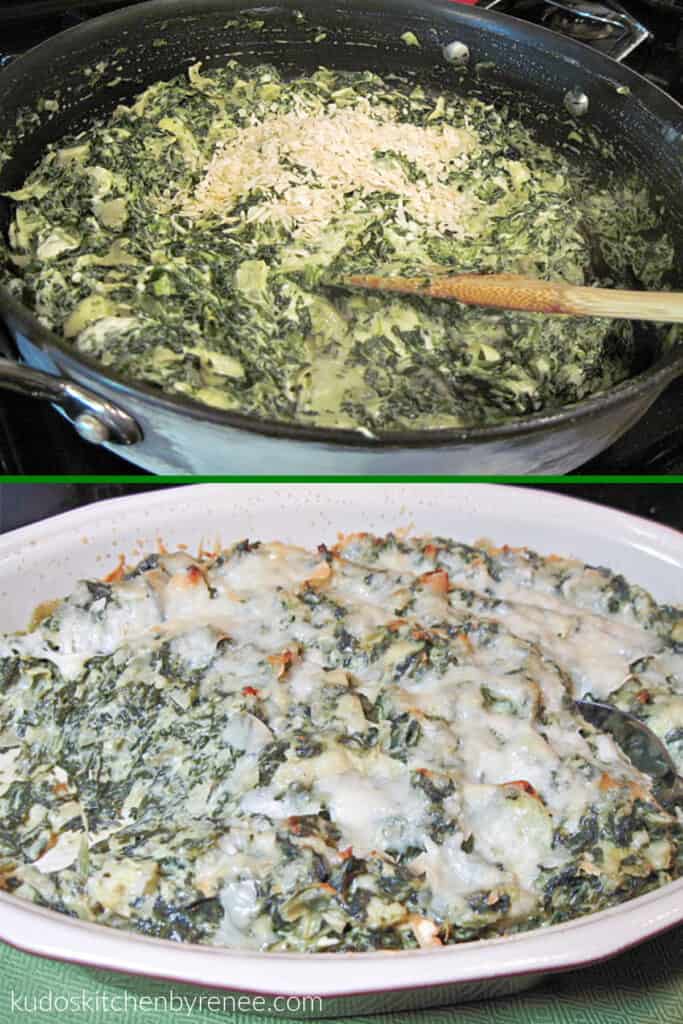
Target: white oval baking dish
{"points": [[44, 560]]}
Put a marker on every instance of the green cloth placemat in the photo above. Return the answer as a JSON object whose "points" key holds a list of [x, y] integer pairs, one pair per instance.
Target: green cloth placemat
{"points": [[642, 986]]}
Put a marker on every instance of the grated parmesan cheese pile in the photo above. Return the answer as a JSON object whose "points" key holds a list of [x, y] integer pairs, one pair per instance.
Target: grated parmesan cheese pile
{"points": [[308, 163]]}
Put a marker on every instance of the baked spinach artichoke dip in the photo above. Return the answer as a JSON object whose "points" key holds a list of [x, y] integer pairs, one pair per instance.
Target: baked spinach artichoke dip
{"points": [[192, 243], [372, 746]]}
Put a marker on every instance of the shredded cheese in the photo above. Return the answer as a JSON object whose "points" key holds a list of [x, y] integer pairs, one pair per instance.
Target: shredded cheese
{"points": [[307, 163]]}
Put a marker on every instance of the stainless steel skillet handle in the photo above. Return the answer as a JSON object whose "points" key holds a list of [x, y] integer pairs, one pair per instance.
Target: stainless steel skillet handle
{"points": [[94, 418], [627, 33]]}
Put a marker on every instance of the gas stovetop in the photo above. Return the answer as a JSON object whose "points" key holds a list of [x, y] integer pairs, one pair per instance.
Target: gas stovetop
{"points": [[648, 36]]}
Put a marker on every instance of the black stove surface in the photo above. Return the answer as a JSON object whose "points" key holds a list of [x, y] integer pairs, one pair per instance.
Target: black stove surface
{"points": [[34, 439]]}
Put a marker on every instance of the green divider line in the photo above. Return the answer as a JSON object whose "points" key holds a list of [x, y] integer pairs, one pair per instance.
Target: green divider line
{"points": [[154, 480]]}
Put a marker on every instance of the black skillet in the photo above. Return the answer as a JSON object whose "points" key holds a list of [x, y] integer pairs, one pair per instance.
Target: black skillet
{"points": [[109, 59]]}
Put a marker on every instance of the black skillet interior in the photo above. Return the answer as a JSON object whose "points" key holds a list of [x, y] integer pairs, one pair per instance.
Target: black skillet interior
{"points": [[91, 69]]}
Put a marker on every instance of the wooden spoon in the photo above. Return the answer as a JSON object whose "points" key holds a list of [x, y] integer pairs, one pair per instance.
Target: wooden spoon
{"points": [[511, 291]]}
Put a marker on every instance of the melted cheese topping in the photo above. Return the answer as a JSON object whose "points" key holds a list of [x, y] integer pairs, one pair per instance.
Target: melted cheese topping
{"points": [[368, 747]]}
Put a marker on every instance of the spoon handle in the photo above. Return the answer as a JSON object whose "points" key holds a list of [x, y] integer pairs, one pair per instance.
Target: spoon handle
{"points": [[511, 291]]}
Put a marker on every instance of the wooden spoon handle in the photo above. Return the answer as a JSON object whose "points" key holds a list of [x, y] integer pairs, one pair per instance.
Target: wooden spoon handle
{"points": [[511, 291]]}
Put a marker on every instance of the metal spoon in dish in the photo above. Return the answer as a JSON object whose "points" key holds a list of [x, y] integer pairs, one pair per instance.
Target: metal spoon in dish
{"points": [[511, 291], [645, 750]]}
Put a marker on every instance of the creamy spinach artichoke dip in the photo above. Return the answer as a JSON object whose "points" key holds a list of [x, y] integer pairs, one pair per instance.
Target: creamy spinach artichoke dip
{"points": [[190, 242], [372, 746]]}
